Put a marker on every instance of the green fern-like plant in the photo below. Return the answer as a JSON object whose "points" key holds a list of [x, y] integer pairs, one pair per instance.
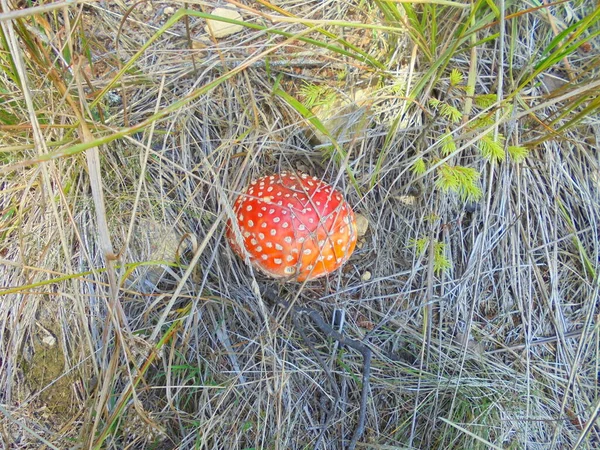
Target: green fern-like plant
{"points": [[434, 102], [482, 122], [456, 77], [451, 176], [461, 180], [448, 144], [517, 152], [419, 167], [440, 262], [420, 245], [485, 100], [399, 88], [317, 95], [492, 149], [448, 111]]}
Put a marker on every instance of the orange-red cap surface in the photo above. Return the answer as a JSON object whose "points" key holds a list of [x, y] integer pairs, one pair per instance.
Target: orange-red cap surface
{"points": [[294, 226]]}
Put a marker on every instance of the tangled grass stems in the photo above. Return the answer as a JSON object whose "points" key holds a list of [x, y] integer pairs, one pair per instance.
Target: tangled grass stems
{"points": [[481, 314]]}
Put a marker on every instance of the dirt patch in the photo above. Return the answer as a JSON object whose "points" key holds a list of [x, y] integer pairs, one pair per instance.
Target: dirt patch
{"points": [[44, 376]]}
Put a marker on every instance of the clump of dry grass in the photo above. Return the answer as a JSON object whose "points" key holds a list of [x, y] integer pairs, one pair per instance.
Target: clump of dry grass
{"points": [[128, 133]]}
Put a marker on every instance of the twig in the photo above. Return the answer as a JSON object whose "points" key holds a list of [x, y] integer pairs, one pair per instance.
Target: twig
{"points": [[362, 415], [336, 391], [35, 10], [326, 329], [359, 347]]}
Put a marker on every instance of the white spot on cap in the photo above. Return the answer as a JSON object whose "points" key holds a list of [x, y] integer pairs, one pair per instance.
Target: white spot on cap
{"points": [[301, 227], [259, 249], [271, 211], [289, 258], [263, 225], [277, 260], [264, 257], [249, 208], [290, 270], [273, 231], [246, 234], [250, 223], [270, 188], [307, 251], [269, 244], [261, 236], [339, 242], [285, 225], [278, 247], [253, 241], [329, 258], [309, 267], [288, 239], [276, 219]]}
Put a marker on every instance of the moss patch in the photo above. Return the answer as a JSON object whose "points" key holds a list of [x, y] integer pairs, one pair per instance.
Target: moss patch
{"points": [[44, 375]]}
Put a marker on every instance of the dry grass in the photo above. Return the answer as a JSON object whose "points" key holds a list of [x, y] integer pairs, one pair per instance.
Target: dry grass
{"points": [[127, 322]]}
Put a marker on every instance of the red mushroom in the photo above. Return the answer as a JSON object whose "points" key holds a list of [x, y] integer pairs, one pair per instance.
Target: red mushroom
{"points": [[293, 226]]}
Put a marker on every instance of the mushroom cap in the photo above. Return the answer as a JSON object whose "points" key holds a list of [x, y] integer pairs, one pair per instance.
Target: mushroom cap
{"points": [[293, 226]]}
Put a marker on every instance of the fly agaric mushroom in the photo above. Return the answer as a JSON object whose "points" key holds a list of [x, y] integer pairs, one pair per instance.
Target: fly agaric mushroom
{"points": [[293, 226]]}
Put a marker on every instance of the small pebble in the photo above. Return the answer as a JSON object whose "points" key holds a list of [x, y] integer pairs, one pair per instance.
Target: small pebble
{"points": [[49, 340], [408, 200], [223, 29], [147, 9], [366, 276]]}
